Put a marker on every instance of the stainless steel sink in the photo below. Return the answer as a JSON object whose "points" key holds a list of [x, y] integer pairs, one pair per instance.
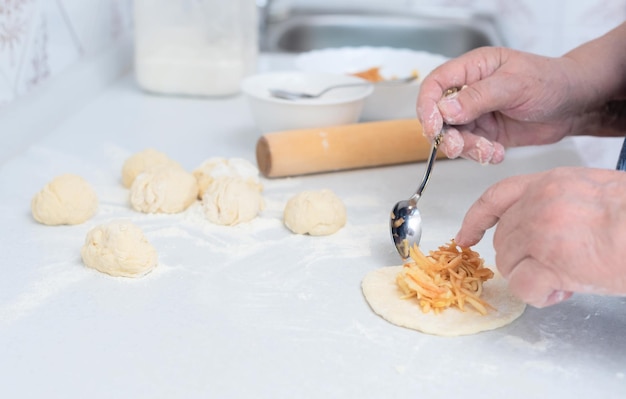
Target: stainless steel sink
{"points": [[306, 30]]}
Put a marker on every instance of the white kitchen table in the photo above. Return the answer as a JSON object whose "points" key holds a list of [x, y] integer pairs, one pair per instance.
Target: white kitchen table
{"points": [[254, 311]]}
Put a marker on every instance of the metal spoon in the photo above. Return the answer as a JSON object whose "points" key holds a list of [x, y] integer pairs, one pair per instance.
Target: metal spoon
{"points": [[297, 95], [406, 220]]}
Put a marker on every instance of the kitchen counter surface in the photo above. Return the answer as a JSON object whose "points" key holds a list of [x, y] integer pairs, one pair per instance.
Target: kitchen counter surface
{"points": [[253, 310]]}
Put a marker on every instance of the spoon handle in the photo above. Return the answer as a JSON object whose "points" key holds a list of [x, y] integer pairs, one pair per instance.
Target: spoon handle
{"points": [[392, 82], [429, 164], [339, 86]]}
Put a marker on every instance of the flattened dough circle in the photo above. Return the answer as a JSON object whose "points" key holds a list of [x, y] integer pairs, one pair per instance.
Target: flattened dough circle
{"points": [[384, 297]]}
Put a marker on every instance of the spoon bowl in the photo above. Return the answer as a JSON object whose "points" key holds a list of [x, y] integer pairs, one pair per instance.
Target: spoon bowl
{"points": [[406, 226]]}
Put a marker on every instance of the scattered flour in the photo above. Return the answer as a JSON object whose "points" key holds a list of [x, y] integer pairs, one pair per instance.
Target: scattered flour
{"points": [[546, 366], [265, 235], [542, 345], [54, 279]]}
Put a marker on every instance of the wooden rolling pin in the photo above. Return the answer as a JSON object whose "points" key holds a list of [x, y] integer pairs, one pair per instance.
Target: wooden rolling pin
{"points": [[360, 145]]}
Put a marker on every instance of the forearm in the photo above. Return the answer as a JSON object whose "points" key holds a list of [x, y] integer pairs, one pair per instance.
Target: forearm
{"points": [[598, 85], [601, 70]]}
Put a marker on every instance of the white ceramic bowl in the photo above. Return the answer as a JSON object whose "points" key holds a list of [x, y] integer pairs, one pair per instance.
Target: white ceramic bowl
{"points": [[386, 102], [336, 107]]}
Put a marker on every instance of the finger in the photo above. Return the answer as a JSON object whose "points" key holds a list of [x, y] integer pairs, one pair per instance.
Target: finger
{"points": [[496, 92], [498, 153], [477, 148], [472, 142], [471, 146], [453, 143], [428, 114], [451, 74], [477, 73], [489, 207], [470, 103], [535, 284]]}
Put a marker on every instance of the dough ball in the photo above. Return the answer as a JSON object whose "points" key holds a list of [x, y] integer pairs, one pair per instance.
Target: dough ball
{"points": [[163, 189], [119, 249], [316, 213], [232, 200], [386, 299], [214, 168], [142, 161], [67, 199]]}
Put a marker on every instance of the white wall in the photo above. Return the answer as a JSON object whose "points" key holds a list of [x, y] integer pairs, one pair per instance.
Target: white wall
{"points": [[41, 39], [552, 27]]}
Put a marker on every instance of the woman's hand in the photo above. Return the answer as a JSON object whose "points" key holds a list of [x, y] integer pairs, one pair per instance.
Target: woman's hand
{"points": [[557, 232]]}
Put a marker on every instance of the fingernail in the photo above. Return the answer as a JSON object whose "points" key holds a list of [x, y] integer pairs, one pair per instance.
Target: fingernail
{"points": [[453, 142], [458, 240], [450, 107], [429, 122], [498, 153], [557, 296], [482, 152]]}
